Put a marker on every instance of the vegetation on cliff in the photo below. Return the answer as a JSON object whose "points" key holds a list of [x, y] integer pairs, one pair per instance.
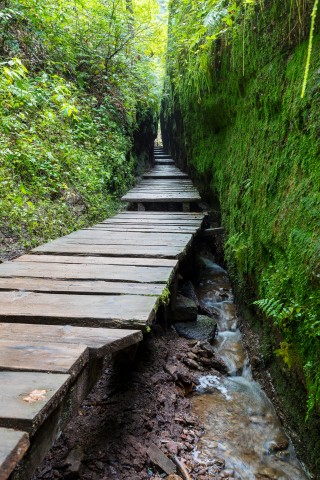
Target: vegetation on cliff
{"points": [[77, 81], [233, 112]]}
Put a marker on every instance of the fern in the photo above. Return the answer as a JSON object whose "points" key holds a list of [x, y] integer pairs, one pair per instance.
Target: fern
{"points": [[270, 307], [280, 313]]}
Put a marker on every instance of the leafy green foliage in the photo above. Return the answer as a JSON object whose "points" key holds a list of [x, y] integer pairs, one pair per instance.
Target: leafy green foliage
{"points": [[76, 80]]}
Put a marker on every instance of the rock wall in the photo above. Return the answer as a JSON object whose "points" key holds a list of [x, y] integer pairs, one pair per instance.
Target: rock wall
{"points": [[233, 116]]}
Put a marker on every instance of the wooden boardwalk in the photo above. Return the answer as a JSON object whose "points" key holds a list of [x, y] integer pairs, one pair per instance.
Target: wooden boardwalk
{"points": [[74, 300], [171, 186]]}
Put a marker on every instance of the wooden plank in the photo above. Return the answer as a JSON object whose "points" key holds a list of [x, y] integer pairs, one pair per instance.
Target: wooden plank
{"points": [[125, 243], [13, 446], [192, 217], [160, 198], [126, 273], [172, 229], [41, 356], [165, 190], [148, 228], [166, 168], [21, 407], [121, 311], [210, 232], [112, 250], [166, 215], [192, 223], [94, 287], [163, 161], [158, 187], [154, 222], [146, 262], [180, 195], [99, 341], [141, 229], [146, 241], [171, 182], [122, 238], [156, 175]]}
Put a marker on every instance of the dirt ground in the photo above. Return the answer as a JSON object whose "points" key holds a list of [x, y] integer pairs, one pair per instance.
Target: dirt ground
{"points": [[130, 410]]}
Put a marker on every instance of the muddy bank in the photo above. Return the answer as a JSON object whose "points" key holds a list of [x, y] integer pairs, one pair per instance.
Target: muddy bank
{"points": [[131, 409]]}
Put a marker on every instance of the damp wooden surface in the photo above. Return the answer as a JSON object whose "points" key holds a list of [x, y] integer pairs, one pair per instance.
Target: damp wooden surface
{"points": [[27, 398], [99, 341], [13, 446], [74, 300], [111, 311]]}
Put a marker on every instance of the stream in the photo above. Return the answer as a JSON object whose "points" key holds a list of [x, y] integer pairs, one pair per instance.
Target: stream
{"points": [[241, 426]]}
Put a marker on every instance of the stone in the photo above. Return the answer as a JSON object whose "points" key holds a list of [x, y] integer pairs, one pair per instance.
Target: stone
{"points": [[74, 460], [279, 444], [185, 309], [191, 364], [173, 447], [204, 328], [187, 290], [174, 477], [218, 364], [268, 473]]}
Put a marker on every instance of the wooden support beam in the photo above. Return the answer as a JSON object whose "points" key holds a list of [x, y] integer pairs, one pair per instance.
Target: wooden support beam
{"points": [[210, 232]]}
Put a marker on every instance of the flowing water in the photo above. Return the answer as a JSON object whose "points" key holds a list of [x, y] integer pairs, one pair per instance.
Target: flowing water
{"points": [[241, 426]]}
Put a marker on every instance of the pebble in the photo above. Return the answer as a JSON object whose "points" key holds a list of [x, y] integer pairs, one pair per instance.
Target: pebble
{"points": [[191, 363], [227, 473], [173, 447], [192, 355], [174, 477], [203, 471]]}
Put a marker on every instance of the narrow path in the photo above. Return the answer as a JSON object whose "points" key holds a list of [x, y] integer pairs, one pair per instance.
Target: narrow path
{"points": [[52, 301]]}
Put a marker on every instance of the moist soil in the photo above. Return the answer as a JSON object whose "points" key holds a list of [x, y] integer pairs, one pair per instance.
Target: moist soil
{"points": [[131, 409]]}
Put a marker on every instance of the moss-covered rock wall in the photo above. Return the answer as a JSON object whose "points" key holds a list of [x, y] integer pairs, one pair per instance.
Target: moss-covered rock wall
{"points": [[232, 114]]}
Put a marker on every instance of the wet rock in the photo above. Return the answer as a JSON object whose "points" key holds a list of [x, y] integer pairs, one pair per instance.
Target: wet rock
{"points": [[205, 349], [191, 364], [173, 447], [187, 290], [172, 370], [186, 310], [277, 445], [218, 364], [227, 474], [206, 362], [203, 329], [268, 473], [74, 461], [192, 355]]}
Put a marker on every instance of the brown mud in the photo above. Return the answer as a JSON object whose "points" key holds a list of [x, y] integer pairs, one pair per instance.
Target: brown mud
{"points": [[133, 408]]}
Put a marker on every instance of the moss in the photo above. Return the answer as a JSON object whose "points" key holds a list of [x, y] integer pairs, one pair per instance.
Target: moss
{"points": [[258, 142]]}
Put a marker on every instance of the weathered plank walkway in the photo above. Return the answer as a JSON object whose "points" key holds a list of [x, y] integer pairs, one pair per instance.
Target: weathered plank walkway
{"points": [[172, 186], [72, 301]]}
